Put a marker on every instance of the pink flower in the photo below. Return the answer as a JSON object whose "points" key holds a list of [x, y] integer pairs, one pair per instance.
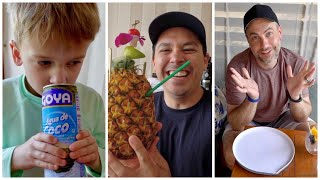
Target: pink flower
{"points": [[124, 38]]}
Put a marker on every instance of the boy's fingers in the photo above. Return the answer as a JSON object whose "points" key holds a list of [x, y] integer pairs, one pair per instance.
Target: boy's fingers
{"points": [[51, 149], [91, 149], [45, 165], [49, 158], [43, 137], [88, 158], [82, 143], [83, 134]]}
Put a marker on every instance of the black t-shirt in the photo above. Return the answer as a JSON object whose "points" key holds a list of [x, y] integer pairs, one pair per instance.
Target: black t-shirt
{"points": [[186, 137]]}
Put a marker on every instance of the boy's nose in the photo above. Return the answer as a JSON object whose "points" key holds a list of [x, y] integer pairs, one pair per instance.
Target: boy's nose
{"points": [[58, 77]]}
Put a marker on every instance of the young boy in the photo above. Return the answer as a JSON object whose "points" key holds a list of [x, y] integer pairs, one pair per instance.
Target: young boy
{"points": [[51, 41]]}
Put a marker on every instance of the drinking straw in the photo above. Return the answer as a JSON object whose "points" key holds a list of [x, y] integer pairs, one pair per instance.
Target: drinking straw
{"points": [[168, 77]]}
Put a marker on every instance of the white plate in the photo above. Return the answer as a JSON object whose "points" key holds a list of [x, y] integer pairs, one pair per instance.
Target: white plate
{"points": [[263, 150]]}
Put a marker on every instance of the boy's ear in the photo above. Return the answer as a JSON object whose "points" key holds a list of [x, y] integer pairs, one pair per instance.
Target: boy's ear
{"points": [[15, 53]]}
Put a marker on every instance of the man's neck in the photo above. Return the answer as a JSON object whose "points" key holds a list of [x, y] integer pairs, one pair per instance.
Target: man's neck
{"points": [[268, 66], [185, 101]]}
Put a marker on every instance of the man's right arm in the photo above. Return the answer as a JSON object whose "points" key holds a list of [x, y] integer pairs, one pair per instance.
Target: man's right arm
{"points": [[241, 115]]}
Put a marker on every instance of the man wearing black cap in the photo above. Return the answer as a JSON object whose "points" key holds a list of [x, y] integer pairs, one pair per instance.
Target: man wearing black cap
{"points": [[266, 85], [184, 108]]}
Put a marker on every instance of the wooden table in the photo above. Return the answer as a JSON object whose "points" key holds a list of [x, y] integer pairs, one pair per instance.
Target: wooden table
{"points": [[303, 164]]}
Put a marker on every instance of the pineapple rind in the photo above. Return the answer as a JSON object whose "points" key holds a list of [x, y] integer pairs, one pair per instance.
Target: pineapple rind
{"points": [[129, 112]]}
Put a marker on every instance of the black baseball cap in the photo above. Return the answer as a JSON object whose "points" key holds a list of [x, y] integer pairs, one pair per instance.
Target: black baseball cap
{"points": [[177, 19], [259, 11]]}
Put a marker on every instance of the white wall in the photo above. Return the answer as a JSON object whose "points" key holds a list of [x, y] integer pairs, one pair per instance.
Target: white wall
{"points": [[93, 70]]}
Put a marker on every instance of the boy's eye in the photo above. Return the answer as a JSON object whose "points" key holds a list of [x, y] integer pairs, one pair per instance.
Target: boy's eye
{"points": [[44, 63]]}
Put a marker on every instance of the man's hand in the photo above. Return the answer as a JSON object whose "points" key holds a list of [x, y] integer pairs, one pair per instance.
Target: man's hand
{"points": [[147, 164], [302, 80], [38, 151], [245, 84], [85, 150], [134, 162]]}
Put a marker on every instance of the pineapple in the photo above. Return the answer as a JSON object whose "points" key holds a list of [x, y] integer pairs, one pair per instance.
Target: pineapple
{"points": [[130, 112]]}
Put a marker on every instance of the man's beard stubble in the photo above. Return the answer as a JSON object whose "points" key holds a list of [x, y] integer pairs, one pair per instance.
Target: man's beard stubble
{"points": [[273, 58]]}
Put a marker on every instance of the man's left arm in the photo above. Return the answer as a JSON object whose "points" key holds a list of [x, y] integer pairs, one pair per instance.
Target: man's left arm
{"points": [[300, 106], [301, 110]]}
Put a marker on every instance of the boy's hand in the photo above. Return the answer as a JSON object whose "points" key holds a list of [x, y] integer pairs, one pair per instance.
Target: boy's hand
{"points": [[38, 151], [85, 150]]}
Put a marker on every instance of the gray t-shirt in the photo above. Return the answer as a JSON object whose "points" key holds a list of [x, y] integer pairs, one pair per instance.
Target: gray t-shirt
{"points": [[272, 83]]}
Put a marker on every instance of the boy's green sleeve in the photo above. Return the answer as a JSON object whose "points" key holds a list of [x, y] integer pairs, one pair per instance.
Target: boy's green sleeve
{"points": [[99, 134], [6, 163]]}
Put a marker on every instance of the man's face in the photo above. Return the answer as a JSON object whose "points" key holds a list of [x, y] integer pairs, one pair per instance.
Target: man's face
{"points": [[174, 47], [53, 63], [264, 38]]}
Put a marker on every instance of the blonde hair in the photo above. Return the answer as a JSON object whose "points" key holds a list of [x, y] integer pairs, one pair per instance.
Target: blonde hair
{"points": [[44, 21]]}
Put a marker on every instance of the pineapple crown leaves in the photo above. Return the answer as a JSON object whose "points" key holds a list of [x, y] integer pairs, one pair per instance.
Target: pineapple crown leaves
{"points": [[122, 62], [126, 61], [129, 53]]}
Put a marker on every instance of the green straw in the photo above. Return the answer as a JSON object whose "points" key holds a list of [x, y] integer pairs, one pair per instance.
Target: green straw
{"points": [[168, 77]]}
